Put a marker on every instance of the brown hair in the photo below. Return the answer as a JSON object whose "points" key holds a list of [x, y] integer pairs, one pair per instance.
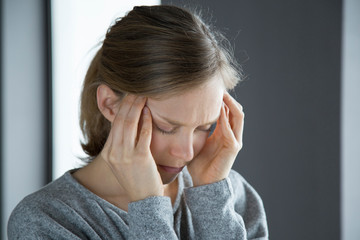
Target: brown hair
{"points": [[153, 51]]}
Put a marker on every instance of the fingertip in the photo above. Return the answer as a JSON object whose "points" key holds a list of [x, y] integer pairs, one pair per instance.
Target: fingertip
{"points": [[223, 113], [146, 110], [146, 129], [227, 95], [147, 115], [226, 108]]}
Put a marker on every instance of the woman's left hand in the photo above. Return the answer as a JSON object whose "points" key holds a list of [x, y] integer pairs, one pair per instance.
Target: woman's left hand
{"points": [[215, 160]]}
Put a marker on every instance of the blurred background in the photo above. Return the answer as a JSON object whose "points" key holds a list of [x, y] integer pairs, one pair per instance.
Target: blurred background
{"points": [[301, 98]]}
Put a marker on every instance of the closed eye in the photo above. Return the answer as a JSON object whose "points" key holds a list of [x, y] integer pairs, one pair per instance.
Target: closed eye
{"points": [[212, 129], [209, 129], [162, 131]]}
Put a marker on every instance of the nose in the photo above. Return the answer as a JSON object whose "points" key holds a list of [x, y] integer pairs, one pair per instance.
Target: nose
{"points": [[182, 148]]}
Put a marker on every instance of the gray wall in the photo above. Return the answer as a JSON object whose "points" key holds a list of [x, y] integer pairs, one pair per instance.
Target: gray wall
{"points": [[1, 198], [350, 119], [22, 100], [291, 99]]}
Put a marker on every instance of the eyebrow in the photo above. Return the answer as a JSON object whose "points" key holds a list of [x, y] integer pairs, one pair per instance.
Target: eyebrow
{"points": [[176, 123]]}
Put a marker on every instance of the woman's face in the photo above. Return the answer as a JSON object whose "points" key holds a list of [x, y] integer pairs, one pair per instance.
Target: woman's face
{"points": [[181, 126]]}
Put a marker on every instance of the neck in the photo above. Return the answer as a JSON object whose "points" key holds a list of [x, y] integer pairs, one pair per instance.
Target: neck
{"points": [[99, 179]]}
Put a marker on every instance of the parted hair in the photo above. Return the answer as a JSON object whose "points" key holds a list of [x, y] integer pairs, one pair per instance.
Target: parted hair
{"points": [[157, 52]]}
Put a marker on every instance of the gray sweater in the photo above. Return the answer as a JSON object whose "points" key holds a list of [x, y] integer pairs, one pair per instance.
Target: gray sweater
{"points": [[64, 209]]}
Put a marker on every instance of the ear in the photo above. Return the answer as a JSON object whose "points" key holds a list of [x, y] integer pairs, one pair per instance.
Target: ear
{"points": [[107, 101]]}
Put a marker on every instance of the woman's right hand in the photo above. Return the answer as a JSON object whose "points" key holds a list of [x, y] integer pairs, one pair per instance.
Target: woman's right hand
{"points": [[127, 150]]}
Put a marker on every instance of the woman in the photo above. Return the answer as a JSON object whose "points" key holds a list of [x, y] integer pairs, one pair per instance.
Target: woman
{"points": [[157, 168]]}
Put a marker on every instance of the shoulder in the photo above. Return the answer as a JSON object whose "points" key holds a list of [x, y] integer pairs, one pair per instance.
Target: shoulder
{"points": [[61, 188], [37, 210], [240, 186], [40, 198], [23, 219], [247, 200]]}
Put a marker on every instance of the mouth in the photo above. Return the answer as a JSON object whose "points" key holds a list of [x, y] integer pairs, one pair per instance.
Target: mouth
{"points": [[171, 169]]}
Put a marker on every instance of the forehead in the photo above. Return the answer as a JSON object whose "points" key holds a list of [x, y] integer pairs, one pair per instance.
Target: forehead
{"points": [[192, 108]]}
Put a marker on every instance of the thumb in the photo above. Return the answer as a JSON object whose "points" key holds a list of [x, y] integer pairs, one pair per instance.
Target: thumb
{"points": [[146, 130]]}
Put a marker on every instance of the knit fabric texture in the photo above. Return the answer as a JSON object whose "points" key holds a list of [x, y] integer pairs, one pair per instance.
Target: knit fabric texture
{"points": [[64, 209]]}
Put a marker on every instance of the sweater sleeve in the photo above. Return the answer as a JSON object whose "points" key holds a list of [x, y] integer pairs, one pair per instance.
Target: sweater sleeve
{"points": [[151, 218], [28, 222], [228, 209]]}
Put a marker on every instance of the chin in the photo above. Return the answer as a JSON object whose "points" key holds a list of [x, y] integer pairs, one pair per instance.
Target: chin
{"points": [[166, 178]]}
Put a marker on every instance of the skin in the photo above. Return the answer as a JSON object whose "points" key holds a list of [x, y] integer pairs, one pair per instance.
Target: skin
{"points": [[151, 140]]}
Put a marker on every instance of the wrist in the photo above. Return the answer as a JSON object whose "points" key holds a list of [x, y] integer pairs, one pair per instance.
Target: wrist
{"points": [[141, 196], [202, 182]]}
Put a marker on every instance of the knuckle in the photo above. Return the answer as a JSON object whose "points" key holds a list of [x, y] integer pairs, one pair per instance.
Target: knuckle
{"points": [[236, 146], [242, 114], [239, 146], [128, 123], [112, 157], [239, 113], [146, 132]]}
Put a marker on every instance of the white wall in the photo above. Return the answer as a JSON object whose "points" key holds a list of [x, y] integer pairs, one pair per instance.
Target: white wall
{"points": [[77, 29], [22, 99], [350, 122], [78, 26]]}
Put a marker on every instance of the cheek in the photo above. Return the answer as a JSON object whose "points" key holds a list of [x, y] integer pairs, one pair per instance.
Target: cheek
{"points": [[199, 142], [158, 145]]}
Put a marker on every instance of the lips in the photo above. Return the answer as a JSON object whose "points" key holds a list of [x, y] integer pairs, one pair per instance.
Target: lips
{"points": [[171, 169]]}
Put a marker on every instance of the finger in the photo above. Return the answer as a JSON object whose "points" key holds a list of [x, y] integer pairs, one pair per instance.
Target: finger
{"points": [[225, 126], [236, 116], [146, 130], [232, 103], [116, 137], [131, 122], [226, 110], [125, 104]]}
